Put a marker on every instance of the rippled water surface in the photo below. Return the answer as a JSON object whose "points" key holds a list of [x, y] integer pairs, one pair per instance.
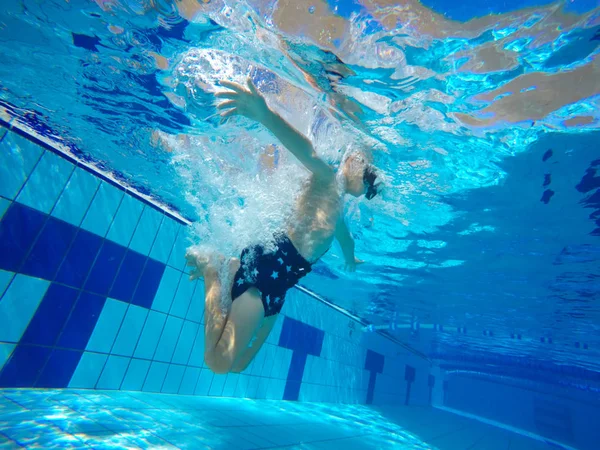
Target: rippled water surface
{"points": [[484, 119]]}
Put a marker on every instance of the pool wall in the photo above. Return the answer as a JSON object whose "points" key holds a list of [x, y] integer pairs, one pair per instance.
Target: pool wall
{"points": [[93, 294]]}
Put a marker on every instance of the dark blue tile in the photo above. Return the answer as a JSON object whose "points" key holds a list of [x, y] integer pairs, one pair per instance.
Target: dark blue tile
{"points": [[148, 285], [105, 268], [371, 387], [128, 276], [59, 369], [24, 366], [297, 364], [44, 327], [79, 259], [49, 249], [299, 336], [410, 373], [292, 390], [80, 325], [374, 361], [18, 229]]}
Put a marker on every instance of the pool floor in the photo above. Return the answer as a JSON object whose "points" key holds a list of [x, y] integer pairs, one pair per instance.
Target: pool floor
{"points": [[115, 419]]}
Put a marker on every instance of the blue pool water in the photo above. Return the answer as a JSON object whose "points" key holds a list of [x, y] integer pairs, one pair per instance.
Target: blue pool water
{"points": [[480, 290]]}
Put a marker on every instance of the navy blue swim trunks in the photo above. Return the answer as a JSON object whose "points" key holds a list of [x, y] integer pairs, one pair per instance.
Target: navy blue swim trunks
{"points": [[272, 272]]}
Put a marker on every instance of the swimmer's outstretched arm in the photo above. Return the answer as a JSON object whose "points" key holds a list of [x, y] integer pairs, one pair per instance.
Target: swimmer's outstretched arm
{"points": [[250, 103], [343, 236]]}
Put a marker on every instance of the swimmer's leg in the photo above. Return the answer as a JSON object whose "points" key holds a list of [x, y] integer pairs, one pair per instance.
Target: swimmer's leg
{"points": [[228, 328], [255, 344]]}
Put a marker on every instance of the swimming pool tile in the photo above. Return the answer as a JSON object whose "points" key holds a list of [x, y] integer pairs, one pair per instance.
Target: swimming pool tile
{"points": [[49, 177], [18, 157], [107, 327], [19, 228], [5, 352], [275, 389], [128, 276], [4, 204], [242, 385], [252, 387], [105, 268], [50, 316], [230, 384], [196, 310], [149, 283], [82, 321], [168, 339], [79, 259], [188, 383], [263, 385], [166, 290], [197, 354], [76, 197], [177, 258], [146, 230], [259, 363], [136, 375], [216, 387], [113, 372], [125, 221], [59, 369], [130, 331], [20, 302], [49, 250], [183, 297], [204, 382], [5, 279], [102, 209], [24, 366], [150, 335], [173, 379], [165, 239], [185, 342], [156, 377], [269, 360], [88, 370]]}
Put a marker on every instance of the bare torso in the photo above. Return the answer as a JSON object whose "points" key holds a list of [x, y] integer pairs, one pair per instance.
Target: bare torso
{"points": [[317, 212]]}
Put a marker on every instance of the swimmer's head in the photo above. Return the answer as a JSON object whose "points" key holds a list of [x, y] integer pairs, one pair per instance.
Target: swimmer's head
{"points": [[361, 177]]}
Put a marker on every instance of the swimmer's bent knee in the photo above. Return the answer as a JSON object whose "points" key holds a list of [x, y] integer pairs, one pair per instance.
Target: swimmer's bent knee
{"points": [[219, 364]]}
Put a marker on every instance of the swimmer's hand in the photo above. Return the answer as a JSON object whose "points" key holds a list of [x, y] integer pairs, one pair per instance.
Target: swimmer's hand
{"points": [[351, 266], [242, 101]]}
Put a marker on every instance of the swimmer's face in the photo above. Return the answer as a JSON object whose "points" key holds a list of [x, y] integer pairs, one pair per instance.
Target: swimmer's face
{"points": [[360, 177]]}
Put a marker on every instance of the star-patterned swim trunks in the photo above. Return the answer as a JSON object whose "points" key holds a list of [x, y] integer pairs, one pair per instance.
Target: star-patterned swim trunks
{"points": [[273, 273]]}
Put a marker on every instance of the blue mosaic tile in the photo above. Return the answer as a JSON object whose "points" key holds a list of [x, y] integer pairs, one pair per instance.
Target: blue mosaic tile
{"points": [[150, 335], [113, 372], [190, 378], [59, 369], [20, 301], [50, 177], [105, 268], [168, 339], [185, 342], [5, 279], [125, 221], [149, 282], [107, 327], [80, 325], [4, 204], [50, 316], [76, 198], [128, 276], [49, 249], [88, 370], [156, 377], [374, 361], [177, 258], [18, 157], [130, 331], [79, 259], [196, 309], [136, 375], [102, 209], [204, 382], [173, 379], [183, 297], [163, 244], [299, 336], [18, 230], [166, 290], [146, 230], [24, 366]]}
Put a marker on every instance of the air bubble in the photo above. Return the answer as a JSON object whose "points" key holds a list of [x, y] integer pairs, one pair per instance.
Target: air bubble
{"points": [[311, 9]]}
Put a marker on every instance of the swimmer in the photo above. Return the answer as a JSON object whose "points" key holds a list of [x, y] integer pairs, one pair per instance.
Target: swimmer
{"points": [[263, 274]]}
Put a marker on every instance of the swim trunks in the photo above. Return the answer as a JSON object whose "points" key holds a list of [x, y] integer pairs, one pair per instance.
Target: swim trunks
{"points": [[272, 272]]}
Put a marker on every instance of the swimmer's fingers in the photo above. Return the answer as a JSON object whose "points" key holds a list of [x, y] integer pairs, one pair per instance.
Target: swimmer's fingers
{"points": [[227, 114], [233, 86], [227, 94], [251, 86], [195, 274], [227, 104]]}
